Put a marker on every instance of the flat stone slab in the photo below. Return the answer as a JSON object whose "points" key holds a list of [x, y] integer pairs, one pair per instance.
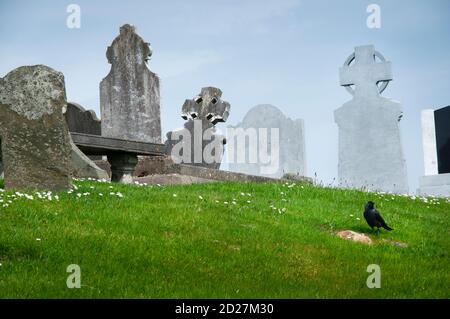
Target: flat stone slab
{"points": [[435, 185], [102, 145], [355, 236], [170, 179]]}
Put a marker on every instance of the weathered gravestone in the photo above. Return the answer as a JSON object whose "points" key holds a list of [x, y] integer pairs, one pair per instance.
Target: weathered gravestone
{"points": [[436, 151], [34, 137], [198, 144], [84, 121], [259, 125], [129, 94], [370, 148], [81, 120]]}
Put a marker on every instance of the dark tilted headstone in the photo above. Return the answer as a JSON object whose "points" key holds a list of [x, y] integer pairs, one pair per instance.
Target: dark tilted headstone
{"points": [[35, 139], [442, 127], [198, 144], [129, 94], [80, 120]]}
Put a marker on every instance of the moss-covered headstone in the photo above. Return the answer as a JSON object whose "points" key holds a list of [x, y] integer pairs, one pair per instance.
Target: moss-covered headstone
{"points": [[34, 135]]}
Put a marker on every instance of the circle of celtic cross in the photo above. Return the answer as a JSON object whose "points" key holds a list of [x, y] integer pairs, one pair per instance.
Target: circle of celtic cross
{"points": [[381, 84]]}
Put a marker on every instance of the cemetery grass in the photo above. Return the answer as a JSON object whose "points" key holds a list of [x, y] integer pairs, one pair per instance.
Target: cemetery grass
{"points": [[207, 241]]}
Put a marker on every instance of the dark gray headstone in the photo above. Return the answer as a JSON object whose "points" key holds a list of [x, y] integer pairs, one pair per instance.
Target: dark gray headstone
{"points": [[442, 126], [198, 144], [35, 139], [81, 120]]}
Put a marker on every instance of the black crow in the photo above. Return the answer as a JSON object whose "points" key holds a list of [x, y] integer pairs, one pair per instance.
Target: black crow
{"points": [[373, 217]]}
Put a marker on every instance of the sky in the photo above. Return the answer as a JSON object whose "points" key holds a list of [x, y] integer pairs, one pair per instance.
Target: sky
{"points": [[286, 53]]}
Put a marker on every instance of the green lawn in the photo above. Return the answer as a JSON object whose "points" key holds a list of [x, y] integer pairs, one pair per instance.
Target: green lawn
{"points": [[186, 242]]}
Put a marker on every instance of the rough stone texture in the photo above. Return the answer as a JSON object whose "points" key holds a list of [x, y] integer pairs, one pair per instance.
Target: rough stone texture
{"points": [[215, 174], [370, 149], [150, 165], [395, 243], [202, 113], [104, 165], [1, 163], [83, 167], [81, 120], [129, 94], [122, 167], [292, 157], [170, 179], [354, 236], [35, 139]]}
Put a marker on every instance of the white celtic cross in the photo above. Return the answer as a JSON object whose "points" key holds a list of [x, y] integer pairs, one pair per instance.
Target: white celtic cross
{"points": [[361, 70]]}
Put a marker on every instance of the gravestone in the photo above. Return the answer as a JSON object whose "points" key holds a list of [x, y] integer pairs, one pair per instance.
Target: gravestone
{"points": [[263, 119], [198, 144], [84, 121], [370, 148], [442, 124], [1, 163], [35, 140], [436, 151], [129, 94], [81, 120]]}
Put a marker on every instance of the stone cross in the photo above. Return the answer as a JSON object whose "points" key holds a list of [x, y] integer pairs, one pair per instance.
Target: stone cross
{"points": [[35, 142], [129, 94], [370, 147], [202, 113], [365, 73]]}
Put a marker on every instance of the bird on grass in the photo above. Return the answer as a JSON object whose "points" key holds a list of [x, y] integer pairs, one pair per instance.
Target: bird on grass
{"points": [[373, 217]]}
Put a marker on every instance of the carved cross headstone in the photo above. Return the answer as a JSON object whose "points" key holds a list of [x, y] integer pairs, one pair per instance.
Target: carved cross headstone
{"points": [[370, 148], [35, 143], [197, 144], [129, 94]]}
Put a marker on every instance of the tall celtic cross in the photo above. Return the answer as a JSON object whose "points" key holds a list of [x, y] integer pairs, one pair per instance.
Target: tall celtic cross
{"points": [[363, 71]]}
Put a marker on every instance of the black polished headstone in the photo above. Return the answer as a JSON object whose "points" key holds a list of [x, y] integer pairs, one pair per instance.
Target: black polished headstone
{"points": [[442, 127]]}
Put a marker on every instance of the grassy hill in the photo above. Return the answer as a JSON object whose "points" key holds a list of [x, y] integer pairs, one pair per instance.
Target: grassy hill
{"points": [[220, 240]]}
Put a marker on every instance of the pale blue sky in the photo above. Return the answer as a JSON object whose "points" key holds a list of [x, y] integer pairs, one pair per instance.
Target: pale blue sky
{"points": [[286, 53]]}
